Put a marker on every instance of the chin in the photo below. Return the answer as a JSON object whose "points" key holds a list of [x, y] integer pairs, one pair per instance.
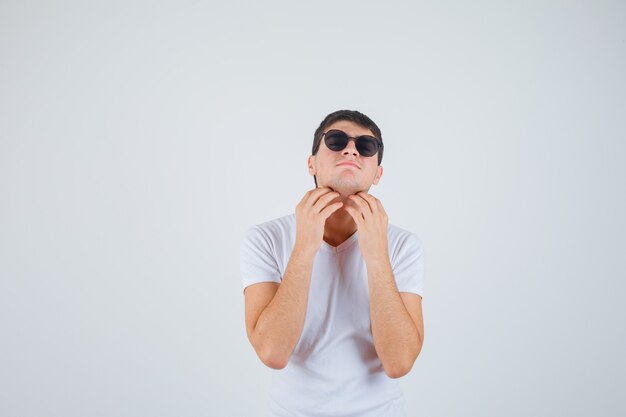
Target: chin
{"points": [[346, 187]]}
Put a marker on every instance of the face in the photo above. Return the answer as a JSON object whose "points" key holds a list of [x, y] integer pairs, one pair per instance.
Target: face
{"points": [[337, 170]]}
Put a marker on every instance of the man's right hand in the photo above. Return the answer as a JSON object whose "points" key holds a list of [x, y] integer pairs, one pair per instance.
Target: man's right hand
{"points": [[311, 215]]}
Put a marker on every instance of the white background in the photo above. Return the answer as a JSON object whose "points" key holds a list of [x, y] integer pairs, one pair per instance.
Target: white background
{"points": [[139, 140]]}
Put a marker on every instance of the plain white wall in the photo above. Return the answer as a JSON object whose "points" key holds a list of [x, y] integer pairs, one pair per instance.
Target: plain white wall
{"points": [[138, 141]]}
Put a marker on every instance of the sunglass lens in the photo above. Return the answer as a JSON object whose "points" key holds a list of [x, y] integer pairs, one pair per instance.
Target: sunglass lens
{"points": [[367, 146], [336, 140]]}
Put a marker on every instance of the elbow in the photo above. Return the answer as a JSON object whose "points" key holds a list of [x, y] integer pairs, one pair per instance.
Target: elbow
{"points": [[398, 371], [402, 366], [272, 359], [274, 362], [272, 355]]}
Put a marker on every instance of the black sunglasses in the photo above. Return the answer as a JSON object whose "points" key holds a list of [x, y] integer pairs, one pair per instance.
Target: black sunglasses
{"points": [[337, 140]]}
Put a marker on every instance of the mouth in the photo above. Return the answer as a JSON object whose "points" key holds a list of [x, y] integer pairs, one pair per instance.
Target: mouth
{"points": [[349, 164]]}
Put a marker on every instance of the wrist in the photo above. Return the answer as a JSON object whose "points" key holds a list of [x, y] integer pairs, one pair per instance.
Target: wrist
{"points": [[304, 252], [377, 260]]}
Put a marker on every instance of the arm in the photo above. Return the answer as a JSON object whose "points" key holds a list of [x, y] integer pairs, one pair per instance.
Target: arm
{"points": [[275, 313], [397, 323]]}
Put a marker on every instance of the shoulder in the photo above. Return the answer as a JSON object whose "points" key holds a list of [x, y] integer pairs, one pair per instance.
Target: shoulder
{"points": [[403, 244], [272, 230], [399, 237]]}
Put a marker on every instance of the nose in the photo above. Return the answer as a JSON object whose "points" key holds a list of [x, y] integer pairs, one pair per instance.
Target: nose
{"points": [[350, 148]]}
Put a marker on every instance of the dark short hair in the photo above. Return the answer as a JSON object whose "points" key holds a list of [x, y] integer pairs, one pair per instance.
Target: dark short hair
{"points": [[352, 116]]}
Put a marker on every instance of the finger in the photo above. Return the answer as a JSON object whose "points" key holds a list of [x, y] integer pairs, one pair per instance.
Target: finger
{"points": [[316, 194], [328, 210], [371, 200], [324, 200], [362, 204], [356, 215], [305, 197], [375, 204], [381, 209], [309, 194]]}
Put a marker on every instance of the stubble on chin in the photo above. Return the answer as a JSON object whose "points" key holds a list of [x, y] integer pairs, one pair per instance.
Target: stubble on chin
{"points": [[345, 187]]}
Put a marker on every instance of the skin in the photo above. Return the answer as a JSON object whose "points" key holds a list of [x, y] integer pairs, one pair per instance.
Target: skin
{"points": [[332, 212]]}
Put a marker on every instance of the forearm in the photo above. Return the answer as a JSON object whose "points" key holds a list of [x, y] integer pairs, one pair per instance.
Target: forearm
{"points": [[279, 326], [396, 338]]}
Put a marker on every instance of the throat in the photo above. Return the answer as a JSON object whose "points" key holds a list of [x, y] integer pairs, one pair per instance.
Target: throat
{"points": [[338, 228]]}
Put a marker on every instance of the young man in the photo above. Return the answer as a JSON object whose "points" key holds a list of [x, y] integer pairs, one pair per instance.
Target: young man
{"points": [[333, 292]]}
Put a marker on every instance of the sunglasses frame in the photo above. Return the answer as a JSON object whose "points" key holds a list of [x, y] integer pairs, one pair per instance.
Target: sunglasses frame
{"points": [[356, 141]]}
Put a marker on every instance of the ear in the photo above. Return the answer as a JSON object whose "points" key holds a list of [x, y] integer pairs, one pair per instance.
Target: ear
{"points": [[379, 173], [311, 164]]}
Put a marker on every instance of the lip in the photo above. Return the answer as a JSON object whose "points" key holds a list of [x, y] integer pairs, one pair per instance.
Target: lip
{"points": [[352, 164]]}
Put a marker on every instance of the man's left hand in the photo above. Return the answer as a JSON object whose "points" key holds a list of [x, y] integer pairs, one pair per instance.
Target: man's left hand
{"points": [[371, 220]]}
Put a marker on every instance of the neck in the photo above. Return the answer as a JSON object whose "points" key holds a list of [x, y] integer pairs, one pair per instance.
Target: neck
{"points": [[339, 227]]}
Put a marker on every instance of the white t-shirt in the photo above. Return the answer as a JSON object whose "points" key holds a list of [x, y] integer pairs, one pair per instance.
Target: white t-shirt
{"points": [[334, 369]]}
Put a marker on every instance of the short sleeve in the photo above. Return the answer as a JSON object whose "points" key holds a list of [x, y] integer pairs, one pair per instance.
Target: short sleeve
{"points": [[408, 265], [256, 258]]}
